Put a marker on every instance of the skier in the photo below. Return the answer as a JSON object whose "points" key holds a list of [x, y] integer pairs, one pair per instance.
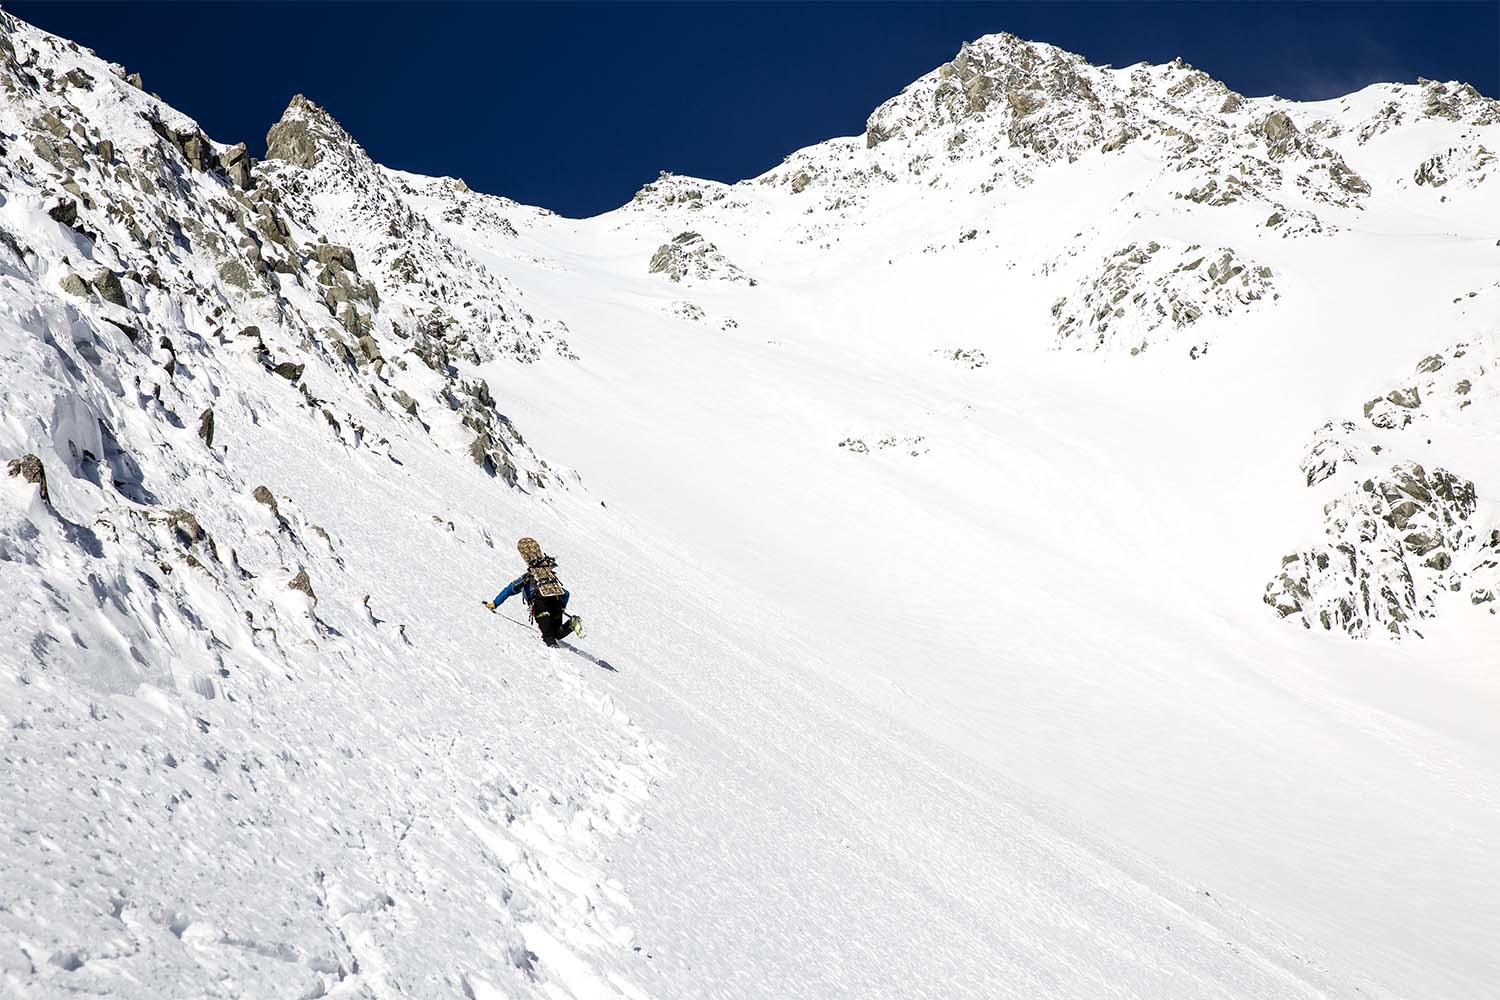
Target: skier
{"points": [[543, 593]]}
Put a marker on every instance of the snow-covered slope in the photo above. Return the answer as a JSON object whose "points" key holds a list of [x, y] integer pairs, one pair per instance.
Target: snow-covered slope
{"points": [[931, 507]]}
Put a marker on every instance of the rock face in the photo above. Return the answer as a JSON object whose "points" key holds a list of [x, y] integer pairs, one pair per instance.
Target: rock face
{"points": [[64, 212], [107, 284], [1467, 166], [690, 256], [302, 582], [236, 163], [1144, 294], [1390, 548], [1038, 93], [1400, 539], [29, 468], [263, 495], [296, 137], [423, 284], [1460, 383], [289, 371], [1005, 110], [75, 285]]}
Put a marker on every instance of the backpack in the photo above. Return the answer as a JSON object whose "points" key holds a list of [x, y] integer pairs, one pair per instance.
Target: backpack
{"points": [[540, 569]]}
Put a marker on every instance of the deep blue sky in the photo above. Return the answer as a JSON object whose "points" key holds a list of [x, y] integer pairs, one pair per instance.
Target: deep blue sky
{"points": [[576, 106]]}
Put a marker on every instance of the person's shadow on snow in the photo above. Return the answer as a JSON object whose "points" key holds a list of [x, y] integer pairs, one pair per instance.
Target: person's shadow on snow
{"points": [[601, 664]]}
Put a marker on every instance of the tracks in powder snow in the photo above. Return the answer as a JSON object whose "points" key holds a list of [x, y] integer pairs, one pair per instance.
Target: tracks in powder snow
{"points": [[321, 827], [552, 846]]}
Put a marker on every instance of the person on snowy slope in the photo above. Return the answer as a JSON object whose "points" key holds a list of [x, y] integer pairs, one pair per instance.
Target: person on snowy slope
{"points": [[543, 593]]}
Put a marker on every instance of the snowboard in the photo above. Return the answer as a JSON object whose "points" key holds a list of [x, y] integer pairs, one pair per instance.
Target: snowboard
{"points": [[541, 568]]}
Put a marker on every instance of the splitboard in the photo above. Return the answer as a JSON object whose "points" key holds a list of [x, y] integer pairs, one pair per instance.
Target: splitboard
{"points": [[541, 568]]}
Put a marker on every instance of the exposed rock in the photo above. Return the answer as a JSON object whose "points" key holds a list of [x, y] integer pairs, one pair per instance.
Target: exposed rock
{"points": [[913, 446], [964, 357], [271, 226], [327, 254], [405, 402], [1144, 293], [236, 164], [64, 212], [303, 583], [1399, 539], [194, 146], [234, 273], [1391, 411], [289, 371], [129, 331], [265, 496], [186, 527], [1279, 132], [29, 468], [1371, 574], [370, 349], [107, 284], [690, 255], [292, 139], [75, 285], [1038, 96], [1468, 165], [1285, 142], [206, 426]]}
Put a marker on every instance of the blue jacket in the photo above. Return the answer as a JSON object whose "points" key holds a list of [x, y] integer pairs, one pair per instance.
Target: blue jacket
{"points": [[522, 585]]}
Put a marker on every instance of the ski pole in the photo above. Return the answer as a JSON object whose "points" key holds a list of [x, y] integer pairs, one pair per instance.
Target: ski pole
{"points": [[507, 617]]}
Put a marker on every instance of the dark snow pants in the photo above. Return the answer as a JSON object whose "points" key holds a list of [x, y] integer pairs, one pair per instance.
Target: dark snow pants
{"points": [[548, 612]]}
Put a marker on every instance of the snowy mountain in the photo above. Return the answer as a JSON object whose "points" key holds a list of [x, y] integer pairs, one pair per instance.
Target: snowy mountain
{"points": [[928, 497]]}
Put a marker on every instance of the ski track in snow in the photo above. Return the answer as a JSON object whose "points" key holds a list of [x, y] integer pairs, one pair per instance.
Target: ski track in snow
{"points": [[925, 659]]}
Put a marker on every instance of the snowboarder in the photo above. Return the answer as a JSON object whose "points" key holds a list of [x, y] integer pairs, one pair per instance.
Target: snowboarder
{"points": [[543, 593]]}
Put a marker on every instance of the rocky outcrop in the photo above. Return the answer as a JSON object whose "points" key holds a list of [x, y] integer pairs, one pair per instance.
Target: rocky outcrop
{"points": [[288, 370], [29, 468], [295, 138], [1391, 545], [1464, 166], [236, 163], [689, 255], [75, 285], [1458, 102], [914, 446], [64, 212], [410, 275], [1043, 98], [1399, 539], [1285, 142], [1144, 294], [194, 146], [349, 298], [303, 583], [263, 495], [963, 357], [107, 284], [1461, 382]]}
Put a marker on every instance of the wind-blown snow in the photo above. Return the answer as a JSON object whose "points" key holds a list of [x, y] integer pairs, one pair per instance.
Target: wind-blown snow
{"points": [[943, 639]]}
